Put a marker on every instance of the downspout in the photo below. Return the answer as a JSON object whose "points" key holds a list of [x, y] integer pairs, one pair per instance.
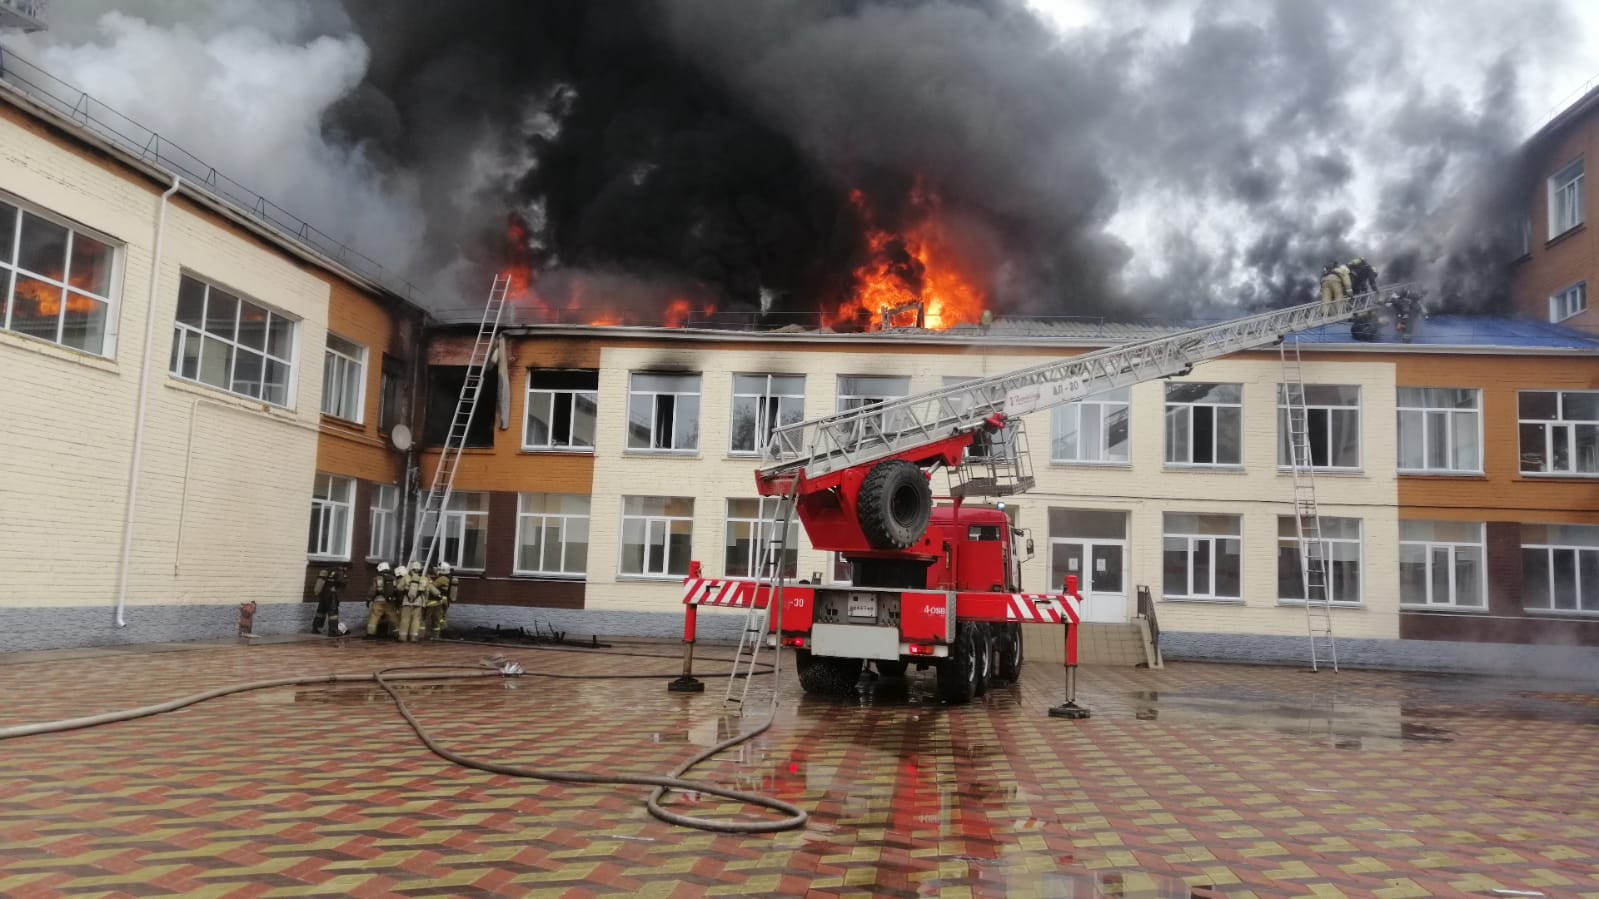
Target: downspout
{"points": [[135, 463]]}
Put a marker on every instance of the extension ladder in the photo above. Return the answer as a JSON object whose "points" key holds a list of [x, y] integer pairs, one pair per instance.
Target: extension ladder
{"points": [[1307, 515], [757, 618], [430, 515]]}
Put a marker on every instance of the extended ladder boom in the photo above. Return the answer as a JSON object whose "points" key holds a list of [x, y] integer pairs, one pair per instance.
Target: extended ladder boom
{"points": [[833, 443]]}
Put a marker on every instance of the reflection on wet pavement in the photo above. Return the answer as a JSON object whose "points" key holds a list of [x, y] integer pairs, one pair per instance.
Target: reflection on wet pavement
{"points": [[1196, 780]]}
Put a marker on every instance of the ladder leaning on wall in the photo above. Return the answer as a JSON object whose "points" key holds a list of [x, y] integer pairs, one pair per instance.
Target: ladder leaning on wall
{"points": [[1307, 516], [430, 514]]}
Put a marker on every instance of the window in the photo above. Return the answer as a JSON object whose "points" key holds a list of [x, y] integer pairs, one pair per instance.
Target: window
{"points": [[751, 527], [393, 398], [56, 281], [760, 404], [1093, 429], [1203, 556], [561, 407], [1204, 424], [1341, 548], [855, 391], [231, 344], [464, 536], [383, 541], [1560, 567], [657, 535], [1521, 236], [1559, 432], [343, 379], [1440, 429], [445, 383], [1441, 563], [1565, 200], [1332, 424], [840, 569], [1569, 302], [331, 500], [552, 534], [663, 412]]}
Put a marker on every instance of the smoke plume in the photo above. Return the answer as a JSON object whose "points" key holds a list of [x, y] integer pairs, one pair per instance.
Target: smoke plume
{"points": [[1158, 158]]}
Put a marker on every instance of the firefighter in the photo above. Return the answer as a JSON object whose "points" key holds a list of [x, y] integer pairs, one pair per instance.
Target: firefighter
{"points": [[326, 591], [383, 598], [1334, 282], [413, 599], [1362, 277], [438, 604]]}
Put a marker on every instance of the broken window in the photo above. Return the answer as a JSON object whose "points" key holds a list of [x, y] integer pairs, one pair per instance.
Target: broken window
{"points": [[1204, 424], [444, 391], [561, 409], [1332, 425]]}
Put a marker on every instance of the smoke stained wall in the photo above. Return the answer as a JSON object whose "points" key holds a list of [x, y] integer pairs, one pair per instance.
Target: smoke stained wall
{"points": [[1163, 158]]}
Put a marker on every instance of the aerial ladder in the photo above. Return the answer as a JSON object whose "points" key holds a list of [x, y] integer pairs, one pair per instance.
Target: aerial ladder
{"points": [[940, 586], [430, 520]]}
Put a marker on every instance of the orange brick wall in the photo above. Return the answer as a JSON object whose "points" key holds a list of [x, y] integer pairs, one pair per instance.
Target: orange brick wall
{"points": [[359, 450], [1573, 256]]}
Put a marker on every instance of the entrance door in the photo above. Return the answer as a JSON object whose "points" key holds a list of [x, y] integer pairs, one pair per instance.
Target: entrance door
{"points": [[1099, 567]]}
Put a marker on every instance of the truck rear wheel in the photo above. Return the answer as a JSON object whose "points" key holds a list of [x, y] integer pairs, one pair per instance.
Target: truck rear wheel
{"points": [[957, 675], [895, 505], [1008, 643], [827, 675], [982, 639]]}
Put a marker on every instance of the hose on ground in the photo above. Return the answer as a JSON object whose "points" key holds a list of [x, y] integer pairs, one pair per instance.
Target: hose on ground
{"points": [[795, 817]]}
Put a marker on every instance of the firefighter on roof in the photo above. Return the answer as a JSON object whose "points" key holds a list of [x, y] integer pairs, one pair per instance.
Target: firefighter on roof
{"points": [[1362, 277], [1335, 282], [383, 597]]}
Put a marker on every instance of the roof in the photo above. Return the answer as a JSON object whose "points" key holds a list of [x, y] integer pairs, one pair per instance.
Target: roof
{"points": [[1465, 332]]}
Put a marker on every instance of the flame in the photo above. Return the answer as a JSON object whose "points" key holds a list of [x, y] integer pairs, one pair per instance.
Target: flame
{"points": [[917, 265], [46, 298]]}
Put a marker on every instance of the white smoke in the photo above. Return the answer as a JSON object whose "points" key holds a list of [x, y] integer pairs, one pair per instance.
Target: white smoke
{"points": [[243, 86]]}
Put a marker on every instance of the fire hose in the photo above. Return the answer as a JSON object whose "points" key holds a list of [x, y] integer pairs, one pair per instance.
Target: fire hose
{"points": [[795, 817]]}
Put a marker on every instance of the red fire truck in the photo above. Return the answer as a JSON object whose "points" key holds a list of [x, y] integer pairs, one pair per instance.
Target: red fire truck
{"points": [[939, 583]]}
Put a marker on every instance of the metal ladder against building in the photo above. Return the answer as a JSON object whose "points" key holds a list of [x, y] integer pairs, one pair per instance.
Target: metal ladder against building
{"points": [[1307, 514], [430, 515], [757, 618]]}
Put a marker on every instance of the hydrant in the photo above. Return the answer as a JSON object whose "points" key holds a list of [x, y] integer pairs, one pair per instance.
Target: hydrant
{"points": [[246, 618]]}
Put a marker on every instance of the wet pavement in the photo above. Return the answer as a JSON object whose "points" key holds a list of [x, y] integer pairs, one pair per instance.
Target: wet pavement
{"points": [[1195, 780]]}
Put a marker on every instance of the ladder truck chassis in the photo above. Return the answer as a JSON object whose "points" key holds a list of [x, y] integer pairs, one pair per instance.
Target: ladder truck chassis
{"points": [[940, 585]]}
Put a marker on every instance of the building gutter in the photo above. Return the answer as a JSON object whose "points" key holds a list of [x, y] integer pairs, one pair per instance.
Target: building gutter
{"points": [[130, 503]]}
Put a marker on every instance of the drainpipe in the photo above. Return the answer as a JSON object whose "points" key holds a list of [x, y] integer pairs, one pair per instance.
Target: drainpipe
{"points": [[134, 464]]}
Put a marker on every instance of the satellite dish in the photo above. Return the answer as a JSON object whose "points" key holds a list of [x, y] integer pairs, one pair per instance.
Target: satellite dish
{"points": [[400, 436]]}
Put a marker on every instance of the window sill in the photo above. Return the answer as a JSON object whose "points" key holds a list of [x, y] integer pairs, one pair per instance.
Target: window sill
{"points": [[1441, 473], [547, 576], [342, 422], [1209, 600], [327, 560], [557, 450], [661, 454], [1300, 604], [244, 403], [1582, 614], [1435, 608], [57, 351], [1578, 228], [1285, 472], [651, 578], [1202, 467], [1533, 476], [1059, 463], [473, 450]]}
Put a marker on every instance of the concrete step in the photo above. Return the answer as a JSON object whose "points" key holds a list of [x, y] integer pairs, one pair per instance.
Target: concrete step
{"points": [[1097, 644]]}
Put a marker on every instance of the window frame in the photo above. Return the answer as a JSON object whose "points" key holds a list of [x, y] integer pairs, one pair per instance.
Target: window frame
{"points": [[765, 532], [1549, 426], [849, 402], [342, 360], [1560, 305], [1426, 412], [1284, 452], [327, 509], [1104, 407], [470, 519], [633, 393], [1292, 542], [564, 520], [763, 403], [1188, 408], [111, 302], [383, 521], [666, 573], [1578, 551], [1570, 176], [183, 332], [1190, 540], [572, 395], [1453, 547]]}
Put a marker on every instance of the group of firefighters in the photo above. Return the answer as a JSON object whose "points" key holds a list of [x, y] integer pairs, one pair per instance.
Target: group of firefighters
{"points": [[407, 603], [1347, 279]]}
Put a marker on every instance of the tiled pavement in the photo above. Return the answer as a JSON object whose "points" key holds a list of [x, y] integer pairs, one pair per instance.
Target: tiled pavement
{"points": [[1247, 781]]}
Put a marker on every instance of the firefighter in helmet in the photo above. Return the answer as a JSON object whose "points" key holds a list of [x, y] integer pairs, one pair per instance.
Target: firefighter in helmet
{"points": [[1335, 282], [326, 591], [413, 599], [1362, 277], [383, 597], [438, 602]]}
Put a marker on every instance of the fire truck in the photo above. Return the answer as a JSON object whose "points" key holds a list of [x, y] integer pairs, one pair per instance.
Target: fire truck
{"points": [[937, 582]]}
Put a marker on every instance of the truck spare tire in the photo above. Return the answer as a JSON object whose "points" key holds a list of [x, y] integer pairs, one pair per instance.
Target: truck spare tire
{"points": [[895, 505]]}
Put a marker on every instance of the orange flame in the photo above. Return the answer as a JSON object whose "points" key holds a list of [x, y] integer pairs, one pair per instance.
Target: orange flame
{"points": [[920, 265], [46, 298]]}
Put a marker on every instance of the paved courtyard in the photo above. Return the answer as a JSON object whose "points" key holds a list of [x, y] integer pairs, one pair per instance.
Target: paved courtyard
{"points": [[1193, 780]]}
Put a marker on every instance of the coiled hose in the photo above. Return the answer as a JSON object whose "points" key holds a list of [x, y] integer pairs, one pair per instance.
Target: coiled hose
{"points": [[795, 817]]}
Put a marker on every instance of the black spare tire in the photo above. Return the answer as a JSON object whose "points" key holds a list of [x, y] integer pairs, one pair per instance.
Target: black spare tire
{"points": [[895, 505]]}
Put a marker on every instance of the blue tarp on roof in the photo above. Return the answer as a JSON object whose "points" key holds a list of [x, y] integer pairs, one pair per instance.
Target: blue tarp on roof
{"points": [[1467, 331]]}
